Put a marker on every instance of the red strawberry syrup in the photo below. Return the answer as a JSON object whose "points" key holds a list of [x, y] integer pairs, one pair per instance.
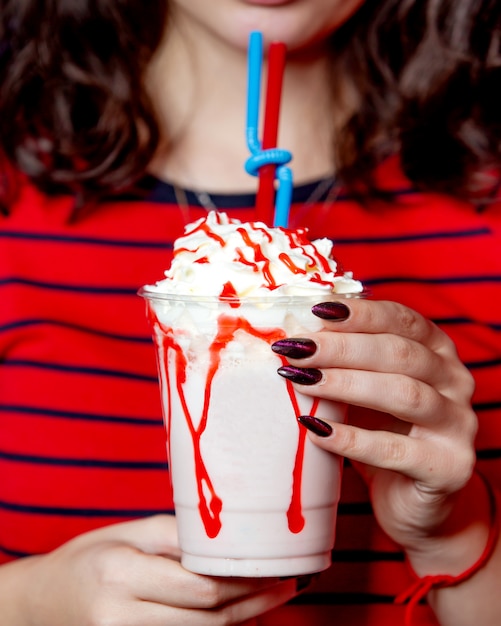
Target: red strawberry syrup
{"points": [[210, 504]]}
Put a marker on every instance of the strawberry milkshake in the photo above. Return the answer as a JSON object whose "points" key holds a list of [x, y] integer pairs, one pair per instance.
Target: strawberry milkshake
{"points": [[253, 496]]}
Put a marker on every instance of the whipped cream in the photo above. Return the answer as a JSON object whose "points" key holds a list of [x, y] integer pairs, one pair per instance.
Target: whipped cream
{"points": [[222, 256]]}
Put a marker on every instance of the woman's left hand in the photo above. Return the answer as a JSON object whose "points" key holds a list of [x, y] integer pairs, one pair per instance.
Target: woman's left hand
{"points": [[411, 426]]}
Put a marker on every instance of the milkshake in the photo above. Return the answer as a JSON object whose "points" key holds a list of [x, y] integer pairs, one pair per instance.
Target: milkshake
{"points": [[253, 495]]}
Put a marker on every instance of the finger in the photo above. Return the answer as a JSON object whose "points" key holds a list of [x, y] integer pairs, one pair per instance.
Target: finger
{"points": [[157, 579], [433, 463], [155, 535], [399, 396], [405, 398], [236, 612], [378, 353], [378, 316]]}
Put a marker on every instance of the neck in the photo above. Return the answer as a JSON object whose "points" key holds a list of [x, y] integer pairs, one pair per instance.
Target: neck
{"points": [[199, 87]]}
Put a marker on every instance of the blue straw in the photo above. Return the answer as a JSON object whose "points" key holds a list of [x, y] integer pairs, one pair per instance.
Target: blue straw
{"points": [[258, 156], [284, 197], [255, 63]]}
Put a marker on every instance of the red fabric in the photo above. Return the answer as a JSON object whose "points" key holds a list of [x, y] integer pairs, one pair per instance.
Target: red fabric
{"points": [[81, 436]]}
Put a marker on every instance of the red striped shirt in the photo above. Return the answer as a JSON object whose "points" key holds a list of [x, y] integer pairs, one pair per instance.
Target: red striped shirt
{"points": [[81, 437]]}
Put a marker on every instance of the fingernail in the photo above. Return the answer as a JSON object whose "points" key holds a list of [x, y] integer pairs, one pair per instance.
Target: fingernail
{"points": [[295, 347], [334, 311], [316, 425], [301, 375]]}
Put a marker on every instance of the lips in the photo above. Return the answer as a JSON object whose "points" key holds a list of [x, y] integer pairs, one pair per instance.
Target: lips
{"points": [[268, 3]]}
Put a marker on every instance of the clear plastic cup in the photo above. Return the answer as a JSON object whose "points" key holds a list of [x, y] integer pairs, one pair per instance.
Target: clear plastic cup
{"points": [[253, 496]]}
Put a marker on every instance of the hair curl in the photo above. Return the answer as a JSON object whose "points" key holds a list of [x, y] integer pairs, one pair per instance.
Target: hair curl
{"points": [[426, 74], [74, 114]]}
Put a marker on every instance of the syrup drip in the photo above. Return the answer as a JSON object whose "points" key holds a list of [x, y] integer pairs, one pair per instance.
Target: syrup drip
{"points": [[259, 258], [230, 293], [210, 504], [207, 230], [291, 266], [241, 259], [264, 231]]}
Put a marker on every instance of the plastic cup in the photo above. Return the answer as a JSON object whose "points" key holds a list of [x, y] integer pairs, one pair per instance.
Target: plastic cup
{"points": [[253, 496]]}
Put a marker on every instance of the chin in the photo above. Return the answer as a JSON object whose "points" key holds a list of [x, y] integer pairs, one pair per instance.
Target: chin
{"points": [[300, 24], [276, 27], [297, 23]]}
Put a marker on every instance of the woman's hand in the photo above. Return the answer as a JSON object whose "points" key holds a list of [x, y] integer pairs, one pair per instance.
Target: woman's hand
{"points": [[129, 575], [411, 426]]}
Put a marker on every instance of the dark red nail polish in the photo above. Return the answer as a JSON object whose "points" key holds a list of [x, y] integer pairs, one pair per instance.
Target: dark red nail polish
{"points": [[316, 425], [295, 347], [333, 311], [301, 375]]}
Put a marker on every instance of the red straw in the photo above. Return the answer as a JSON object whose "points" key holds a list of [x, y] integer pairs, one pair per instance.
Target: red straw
{"points": [[265, 199]]}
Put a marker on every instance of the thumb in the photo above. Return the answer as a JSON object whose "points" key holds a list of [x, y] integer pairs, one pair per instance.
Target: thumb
{"points": [[152, 535]]}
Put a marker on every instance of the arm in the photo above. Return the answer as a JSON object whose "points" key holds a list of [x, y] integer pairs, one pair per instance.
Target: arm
{"points": [[411, 434]]}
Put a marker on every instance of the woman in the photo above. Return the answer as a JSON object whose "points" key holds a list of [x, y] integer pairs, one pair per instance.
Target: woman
{"points": [[121, 123]]}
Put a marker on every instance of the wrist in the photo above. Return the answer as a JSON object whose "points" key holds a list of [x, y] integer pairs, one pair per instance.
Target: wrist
{"points": [[462, 537], [469, 533]]}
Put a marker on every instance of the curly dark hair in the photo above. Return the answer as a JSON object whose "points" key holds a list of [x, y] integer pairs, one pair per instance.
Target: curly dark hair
{"points": [[74, 114], [427, 74]]}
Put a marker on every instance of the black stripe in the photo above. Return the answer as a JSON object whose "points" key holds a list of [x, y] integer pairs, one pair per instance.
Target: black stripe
{"points": [[489, 454], [105, 289], [91, 512], [73, 415], [161, 192], [128, 291], [62, 462], [168, 245], [483, 364], [74, 369], [72, 239], [15, 553], [467, 321], [487, 406], [338, 556], [84, 329], [444, 280], [81, 512], [366, 556], [459, 234], [355, 508]]}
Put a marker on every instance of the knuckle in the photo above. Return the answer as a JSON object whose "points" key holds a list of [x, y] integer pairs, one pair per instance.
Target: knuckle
{"points": [[226, 616], [404, 353], [394, 451], [467, 382], [343, 352], [412, 394], [349, 441], [408, 320], [210, 593], [110, 566], [470, 427], [465, 461], [346, 383]]}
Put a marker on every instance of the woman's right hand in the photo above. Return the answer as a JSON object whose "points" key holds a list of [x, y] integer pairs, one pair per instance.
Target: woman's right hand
{"points": [[129, 574]]}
